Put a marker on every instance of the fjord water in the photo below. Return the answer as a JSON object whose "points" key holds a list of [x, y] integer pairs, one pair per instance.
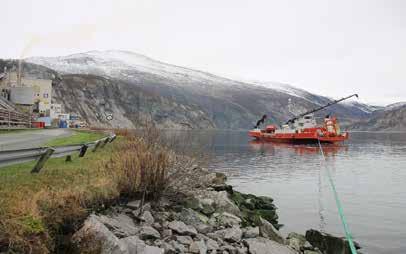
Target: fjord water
{"points": [[369, 172]]}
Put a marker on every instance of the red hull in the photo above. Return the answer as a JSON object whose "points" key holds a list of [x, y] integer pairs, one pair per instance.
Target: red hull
{"points": [[312, 136]]}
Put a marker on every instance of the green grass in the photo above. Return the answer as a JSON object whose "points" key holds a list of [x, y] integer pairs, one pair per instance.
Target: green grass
{"points": [[56, 172], [33, 206], [79, 137], [36, 204]]}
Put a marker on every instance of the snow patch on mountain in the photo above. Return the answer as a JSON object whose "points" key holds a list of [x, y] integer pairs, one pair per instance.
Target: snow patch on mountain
{"points": [[396, 105], [119, 64], [362, 106], [284, 88]]}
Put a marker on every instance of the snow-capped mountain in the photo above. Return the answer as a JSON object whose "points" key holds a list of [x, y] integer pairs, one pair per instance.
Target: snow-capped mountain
{"points": [[396, 105], [362, 106], [119, 64], [226, 102], [291, 90], [389, 118]]}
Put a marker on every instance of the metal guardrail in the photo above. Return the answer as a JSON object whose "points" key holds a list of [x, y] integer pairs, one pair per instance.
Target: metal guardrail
{"points": [[42, 154]]}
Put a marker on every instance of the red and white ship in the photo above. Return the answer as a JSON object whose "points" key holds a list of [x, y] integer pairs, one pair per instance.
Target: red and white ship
{"points": [[303, 129]]}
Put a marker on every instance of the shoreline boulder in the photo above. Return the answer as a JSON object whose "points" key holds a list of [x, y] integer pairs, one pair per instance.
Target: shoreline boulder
{"points": [[329, 244]]}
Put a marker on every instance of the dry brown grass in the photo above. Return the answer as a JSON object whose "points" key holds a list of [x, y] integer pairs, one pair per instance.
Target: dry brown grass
{"points": [[35, 210], [140, 167]]}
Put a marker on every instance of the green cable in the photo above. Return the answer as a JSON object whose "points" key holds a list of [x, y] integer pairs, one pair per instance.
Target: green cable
{"points": [[339, 207]]}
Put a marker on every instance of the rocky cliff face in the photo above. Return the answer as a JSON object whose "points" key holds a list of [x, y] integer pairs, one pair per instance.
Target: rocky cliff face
{"points": [[227, 104], [391, 118], [95, 98]]}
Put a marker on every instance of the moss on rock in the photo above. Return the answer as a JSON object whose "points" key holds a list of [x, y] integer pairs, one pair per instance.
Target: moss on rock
{"points": [[253, 207]]}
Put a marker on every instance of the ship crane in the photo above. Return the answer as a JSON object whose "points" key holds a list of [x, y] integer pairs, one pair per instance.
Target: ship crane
{"points": [[320, 108]]}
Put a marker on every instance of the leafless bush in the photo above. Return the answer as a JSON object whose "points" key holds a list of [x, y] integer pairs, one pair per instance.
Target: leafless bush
{"points": [[140, 167]]}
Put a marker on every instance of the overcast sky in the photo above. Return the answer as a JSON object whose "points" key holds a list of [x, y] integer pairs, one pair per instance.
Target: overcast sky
{"points": [[332, 48]]}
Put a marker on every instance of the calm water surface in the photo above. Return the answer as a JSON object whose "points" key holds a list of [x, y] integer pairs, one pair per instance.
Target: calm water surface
{"points": [[369, 172]]}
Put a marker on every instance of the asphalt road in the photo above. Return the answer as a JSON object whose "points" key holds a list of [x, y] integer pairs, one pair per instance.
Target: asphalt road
{"points": [[29, 139]]}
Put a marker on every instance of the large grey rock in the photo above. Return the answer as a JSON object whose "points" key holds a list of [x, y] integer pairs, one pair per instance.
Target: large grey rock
{"points": [[229, 249], [201, 237], [198, 247], [147, 218], [296, 241], [307, 246], [134, 204], [213, 201], [148, 232], [227, 219], [164, 203], [233, 234], [267, 230], [204, 228], [181, 228], [162, 216], [157, 226], [94, 236], [139, 211], [329, 244], [169, 249], [215, 235], [207, 206], [137, 246], [120, 224], [184, 239], [262, 245], [224, 204], [166, 233], [191, 217], [179, 248], [211, 244], [216, 178], [250, 232], [242, 250]]}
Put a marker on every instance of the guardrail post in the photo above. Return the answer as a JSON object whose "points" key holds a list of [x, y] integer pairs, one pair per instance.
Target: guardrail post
{"points": [[83, 150], [97, 145], [112, 138], [41, 162], [68, 158], [106, 140]]}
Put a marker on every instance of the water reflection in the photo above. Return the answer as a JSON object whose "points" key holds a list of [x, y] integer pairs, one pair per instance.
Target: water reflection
{"points": [[269, 148]]}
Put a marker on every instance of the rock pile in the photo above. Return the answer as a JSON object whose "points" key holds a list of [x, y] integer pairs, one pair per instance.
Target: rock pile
{"points": [[210, 219]]}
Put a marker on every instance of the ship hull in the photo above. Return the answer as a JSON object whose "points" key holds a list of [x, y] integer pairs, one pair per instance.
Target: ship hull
{"points": [[297, 138]]}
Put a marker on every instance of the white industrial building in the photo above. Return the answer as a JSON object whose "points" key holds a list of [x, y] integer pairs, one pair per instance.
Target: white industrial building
{"points": [[36, 93]]}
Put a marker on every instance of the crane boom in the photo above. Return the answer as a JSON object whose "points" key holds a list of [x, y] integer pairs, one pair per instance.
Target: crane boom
{"points": [[320, 108]]}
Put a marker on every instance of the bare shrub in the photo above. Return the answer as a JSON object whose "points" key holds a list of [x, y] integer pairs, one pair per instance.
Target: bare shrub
{"points": [[140, 167]]}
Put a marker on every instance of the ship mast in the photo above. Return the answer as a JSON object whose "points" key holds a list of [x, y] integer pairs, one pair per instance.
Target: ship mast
{"points": [[320, 108]]}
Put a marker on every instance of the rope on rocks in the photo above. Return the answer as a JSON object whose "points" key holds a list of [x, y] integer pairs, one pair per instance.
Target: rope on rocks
{"points": [[339, 206]]}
